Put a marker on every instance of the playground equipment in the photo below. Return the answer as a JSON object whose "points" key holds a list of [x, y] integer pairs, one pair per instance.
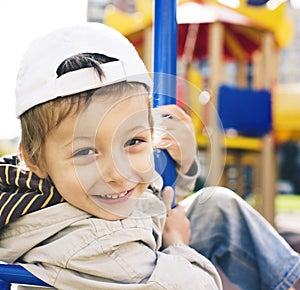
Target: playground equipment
{"points": [[237, 107], [249, 36], [18, 275], [229, 35]]}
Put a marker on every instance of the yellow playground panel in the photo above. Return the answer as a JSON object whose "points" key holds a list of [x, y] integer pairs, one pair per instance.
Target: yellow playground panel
{"points": [[286, 112]]}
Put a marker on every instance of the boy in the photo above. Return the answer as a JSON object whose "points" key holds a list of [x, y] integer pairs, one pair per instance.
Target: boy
{"points": [[86, 138], [83, 100]]}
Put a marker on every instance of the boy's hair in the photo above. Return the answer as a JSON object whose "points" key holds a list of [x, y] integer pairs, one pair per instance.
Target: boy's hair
{"points": [[39, 120]]}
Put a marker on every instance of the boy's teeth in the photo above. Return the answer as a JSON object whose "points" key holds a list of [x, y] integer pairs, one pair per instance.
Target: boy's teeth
{"points": [[114, 196]]}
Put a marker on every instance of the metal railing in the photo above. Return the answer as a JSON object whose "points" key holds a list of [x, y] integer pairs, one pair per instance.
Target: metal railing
{"points": [[16, 274]]}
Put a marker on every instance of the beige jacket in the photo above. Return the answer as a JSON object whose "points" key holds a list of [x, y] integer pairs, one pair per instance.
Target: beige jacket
{"points": [[69, 249]]}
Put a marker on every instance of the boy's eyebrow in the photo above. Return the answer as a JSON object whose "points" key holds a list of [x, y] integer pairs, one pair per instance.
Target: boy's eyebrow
{"points": [[137, 127], [91, 139], [80, 138]]}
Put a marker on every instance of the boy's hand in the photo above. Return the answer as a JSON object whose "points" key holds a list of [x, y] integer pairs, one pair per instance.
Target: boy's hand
{"points": [[177, 227], [179, 136]]}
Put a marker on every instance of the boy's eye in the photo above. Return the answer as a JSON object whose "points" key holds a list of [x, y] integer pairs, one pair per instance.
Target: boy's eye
{"points": [[84, 152], [133, 141]]}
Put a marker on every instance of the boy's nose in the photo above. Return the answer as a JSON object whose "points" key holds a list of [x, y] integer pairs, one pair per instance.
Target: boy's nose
{"points": [[111, 172]]}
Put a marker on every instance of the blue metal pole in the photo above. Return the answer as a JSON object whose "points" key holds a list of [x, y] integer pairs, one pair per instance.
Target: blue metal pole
{"points": [[165, 52], [164, 87]]}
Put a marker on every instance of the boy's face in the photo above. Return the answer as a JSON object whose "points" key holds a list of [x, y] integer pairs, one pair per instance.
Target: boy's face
{"points": [[101, 160]]}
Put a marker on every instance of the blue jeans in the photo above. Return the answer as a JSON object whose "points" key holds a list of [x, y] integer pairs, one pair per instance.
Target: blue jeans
{"points": [[233, 236]]}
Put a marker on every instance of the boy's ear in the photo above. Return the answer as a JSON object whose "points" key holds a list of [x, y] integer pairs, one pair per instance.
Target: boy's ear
{"points": [[33, 167]]}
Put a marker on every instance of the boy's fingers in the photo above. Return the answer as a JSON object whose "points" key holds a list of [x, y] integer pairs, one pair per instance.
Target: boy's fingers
{"points": [[167, 197], [174, 111]]}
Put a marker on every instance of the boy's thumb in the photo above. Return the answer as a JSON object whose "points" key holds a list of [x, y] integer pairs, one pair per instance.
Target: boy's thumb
{"points": [[167, 197]]}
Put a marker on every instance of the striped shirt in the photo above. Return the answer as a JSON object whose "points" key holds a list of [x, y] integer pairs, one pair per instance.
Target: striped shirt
{"points": [[23, 192]]}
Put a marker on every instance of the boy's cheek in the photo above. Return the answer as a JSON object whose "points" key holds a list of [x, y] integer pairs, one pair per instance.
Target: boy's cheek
{"points": [[142, 163]]}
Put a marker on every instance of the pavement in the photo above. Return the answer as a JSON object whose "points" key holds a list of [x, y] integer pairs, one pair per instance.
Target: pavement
{"points": [[288, 221]]}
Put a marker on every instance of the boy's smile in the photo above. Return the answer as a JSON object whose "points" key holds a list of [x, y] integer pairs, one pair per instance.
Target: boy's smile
{"points": [[101, 160], [114, 197]]}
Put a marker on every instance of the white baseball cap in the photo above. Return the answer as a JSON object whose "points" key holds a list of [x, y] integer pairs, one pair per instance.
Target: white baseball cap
{"points": [[37, 80]]}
